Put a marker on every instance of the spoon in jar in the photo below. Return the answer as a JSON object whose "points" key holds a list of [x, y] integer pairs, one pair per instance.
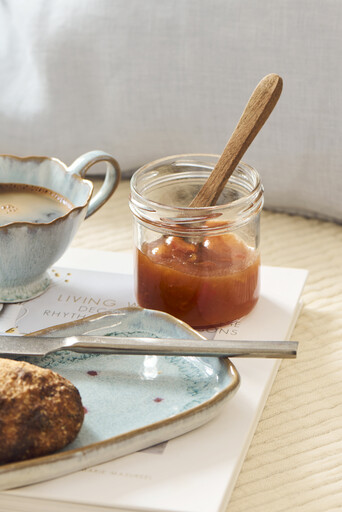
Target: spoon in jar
{"points": [[256, 113]]}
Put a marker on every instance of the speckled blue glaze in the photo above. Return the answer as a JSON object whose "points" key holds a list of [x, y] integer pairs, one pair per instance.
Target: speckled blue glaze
{"points": [[132, 402], [28, 249], [123, 393]]}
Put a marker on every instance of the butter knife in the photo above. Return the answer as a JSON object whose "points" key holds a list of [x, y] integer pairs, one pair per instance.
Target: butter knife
{"points": [[41, 346]]}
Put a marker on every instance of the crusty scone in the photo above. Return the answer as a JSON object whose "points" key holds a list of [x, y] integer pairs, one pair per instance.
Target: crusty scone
{"points": [[40, 411]]}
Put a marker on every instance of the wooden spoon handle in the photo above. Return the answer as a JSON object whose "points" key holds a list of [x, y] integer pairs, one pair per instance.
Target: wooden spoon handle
{"points": [[257, 111]]}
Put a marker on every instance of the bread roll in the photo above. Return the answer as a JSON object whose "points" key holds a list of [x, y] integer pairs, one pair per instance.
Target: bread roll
{"points": [[40, 411]]}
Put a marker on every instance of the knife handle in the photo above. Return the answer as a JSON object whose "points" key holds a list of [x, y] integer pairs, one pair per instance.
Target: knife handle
{"points": [[157, 346]]}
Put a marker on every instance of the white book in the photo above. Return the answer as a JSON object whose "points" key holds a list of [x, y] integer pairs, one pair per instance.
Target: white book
{"points": [[197, 471]]}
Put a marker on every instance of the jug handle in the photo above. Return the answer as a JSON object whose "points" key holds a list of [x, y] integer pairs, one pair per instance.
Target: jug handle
{"points": [[112, 178]]}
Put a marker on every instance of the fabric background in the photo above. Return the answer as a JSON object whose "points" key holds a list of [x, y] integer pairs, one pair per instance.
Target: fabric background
{"points": [[143, 80]]}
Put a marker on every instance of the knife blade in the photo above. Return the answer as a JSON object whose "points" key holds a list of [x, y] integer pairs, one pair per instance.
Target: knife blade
{"points": [[41, 346]]}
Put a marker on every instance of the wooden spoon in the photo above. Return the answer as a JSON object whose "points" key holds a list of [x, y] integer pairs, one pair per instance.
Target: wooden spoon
{"points": [[257, 111]]}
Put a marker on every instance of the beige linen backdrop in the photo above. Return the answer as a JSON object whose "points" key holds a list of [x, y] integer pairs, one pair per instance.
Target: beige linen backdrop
{"points": [[143, 80]]}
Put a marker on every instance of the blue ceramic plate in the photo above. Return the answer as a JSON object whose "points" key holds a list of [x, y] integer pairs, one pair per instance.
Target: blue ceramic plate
{"points": [[131, 402]]}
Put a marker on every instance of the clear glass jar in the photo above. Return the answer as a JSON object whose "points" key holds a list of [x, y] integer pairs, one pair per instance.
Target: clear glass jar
{"points": [[201, 265]]}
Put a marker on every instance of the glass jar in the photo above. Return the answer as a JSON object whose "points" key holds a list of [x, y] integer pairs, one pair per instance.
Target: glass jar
{"points": [[201, 265]]}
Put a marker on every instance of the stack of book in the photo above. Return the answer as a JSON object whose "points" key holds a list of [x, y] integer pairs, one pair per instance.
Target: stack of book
{"points": [[194, 472]]}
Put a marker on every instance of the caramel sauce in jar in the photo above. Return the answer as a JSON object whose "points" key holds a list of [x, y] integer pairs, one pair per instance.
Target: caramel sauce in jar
{"points": [[205, 272]]}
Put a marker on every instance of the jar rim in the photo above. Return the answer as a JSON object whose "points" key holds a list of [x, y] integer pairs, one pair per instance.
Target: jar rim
{"points": [[246, 206]]}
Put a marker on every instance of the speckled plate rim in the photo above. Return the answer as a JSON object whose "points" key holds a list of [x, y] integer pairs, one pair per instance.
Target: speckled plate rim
{"points": [[28, 472]]}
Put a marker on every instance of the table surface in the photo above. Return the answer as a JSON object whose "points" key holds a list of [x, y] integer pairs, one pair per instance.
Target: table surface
{"points": [[294, 461]]}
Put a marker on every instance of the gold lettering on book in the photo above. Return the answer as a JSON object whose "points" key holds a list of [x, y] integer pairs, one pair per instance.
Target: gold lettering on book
{"points": [[87, 305], [74, 299], [63, 314], [118, 473]]}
